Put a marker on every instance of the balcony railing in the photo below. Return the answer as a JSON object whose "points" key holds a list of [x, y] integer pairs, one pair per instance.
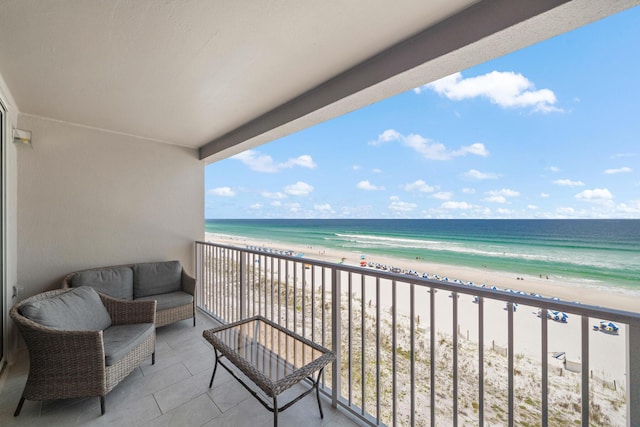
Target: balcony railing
{"points": [[399, 363]]}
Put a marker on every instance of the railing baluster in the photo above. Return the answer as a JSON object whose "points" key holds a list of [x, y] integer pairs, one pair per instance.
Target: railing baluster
{"points": [[455, 358], [510, 361], [412, 329], [432, 339], [313, 303], [633, 373], [295, 297], [336, 337], [481, 361], [363, 344], [243, 281], [585, 371], [394, 344], [349, 339], [286, 293], [545, 367], [303, 304], [378, 350]]}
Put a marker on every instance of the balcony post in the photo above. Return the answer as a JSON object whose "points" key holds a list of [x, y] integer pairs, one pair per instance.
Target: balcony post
{"points": [[633, 374], [336, 336]]}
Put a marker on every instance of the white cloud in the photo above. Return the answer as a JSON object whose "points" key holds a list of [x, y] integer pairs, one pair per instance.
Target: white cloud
{"points": [[619, 170], [276, 203], [443, 195], [376, 170], [532, 207], [623, 155], [456, 205], [256, 206], [507, 192], [222, 192], [293, 207], [420, 186], [544, 195], [503, 211], [475, 174], [554, 169], [478, 149], [631, 208], [264, 163], [367, 186], [399, 206], [469, 190], [323, 208], [427, 148], [504, 88], [566, 211], [568, 183], [298, 189], [356, 167], [387, 136], [500, 196], [276, 195], [597, 195], [496, 199]]}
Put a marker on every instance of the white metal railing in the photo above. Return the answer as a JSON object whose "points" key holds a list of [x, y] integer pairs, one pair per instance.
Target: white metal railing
{"points": [[392, 369]]}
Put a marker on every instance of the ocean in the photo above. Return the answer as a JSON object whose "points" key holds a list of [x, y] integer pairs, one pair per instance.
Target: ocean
{"points": [[599, 253]]}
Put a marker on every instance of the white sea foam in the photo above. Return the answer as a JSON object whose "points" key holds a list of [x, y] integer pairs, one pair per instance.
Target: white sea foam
{"points": [[524, 252]]}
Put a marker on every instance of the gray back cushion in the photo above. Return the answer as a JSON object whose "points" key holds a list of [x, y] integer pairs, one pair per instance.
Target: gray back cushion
{"points": [[79, 309], [117, 282], [154, 278]]}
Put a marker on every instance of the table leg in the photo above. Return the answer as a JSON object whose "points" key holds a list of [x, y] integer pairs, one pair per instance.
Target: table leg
{"points": [[215, 366], [275, 411], [316, 385]]}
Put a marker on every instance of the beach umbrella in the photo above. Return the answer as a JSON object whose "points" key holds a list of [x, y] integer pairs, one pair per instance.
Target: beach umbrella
{"points": [[363, 256]]}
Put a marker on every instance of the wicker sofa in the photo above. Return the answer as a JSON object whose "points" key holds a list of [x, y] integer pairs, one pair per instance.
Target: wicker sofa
{"points": [[81, 343], [165, 282]]}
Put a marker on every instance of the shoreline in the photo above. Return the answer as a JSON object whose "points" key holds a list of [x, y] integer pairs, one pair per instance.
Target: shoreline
{"points": [[569, 291]]}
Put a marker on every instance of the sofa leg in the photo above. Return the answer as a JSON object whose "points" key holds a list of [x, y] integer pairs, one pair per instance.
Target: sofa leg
{"points": [[102, 408], [194, 320], [19, 408], [153, 358]]}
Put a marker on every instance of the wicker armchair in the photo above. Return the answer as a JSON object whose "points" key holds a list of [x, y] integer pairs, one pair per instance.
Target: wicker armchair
{"points": [[71, 364]]}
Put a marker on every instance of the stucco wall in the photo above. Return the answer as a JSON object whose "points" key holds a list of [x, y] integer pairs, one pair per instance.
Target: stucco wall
{"points": [[89, 198]]}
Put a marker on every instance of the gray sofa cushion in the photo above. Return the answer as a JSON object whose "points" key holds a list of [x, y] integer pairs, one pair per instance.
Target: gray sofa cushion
{"points": [[119, 340], [154, 278], [170, 300], [80, 309], [117, 282]]}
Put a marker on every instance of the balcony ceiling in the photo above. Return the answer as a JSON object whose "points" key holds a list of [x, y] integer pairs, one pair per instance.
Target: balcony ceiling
{"points": [[224, 76]]}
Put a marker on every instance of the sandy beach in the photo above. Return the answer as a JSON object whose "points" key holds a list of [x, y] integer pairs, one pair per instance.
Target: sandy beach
{"points": [[607, 360]]}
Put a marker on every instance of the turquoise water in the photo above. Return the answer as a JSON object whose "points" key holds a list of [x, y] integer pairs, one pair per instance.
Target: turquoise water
{"points": [[596, 252]]}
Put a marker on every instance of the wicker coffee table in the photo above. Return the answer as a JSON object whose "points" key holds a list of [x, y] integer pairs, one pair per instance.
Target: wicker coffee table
{"points": [[272, 357]]}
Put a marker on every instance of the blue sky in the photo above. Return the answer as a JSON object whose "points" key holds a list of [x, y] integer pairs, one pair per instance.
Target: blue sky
{"points": [[550, 131]]}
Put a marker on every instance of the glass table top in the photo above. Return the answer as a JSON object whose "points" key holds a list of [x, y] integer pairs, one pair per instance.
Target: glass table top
{"points": [[274, 352]]}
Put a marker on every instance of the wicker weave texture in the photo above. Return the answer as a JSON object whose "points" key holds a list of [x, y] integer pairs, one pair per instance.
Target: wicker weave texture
{"points": [[69, 364]]}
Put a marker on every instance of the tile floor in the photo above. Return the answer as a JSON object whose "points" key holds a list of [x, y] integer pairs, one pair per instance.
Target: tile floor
{"points": [[173, 392]]}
